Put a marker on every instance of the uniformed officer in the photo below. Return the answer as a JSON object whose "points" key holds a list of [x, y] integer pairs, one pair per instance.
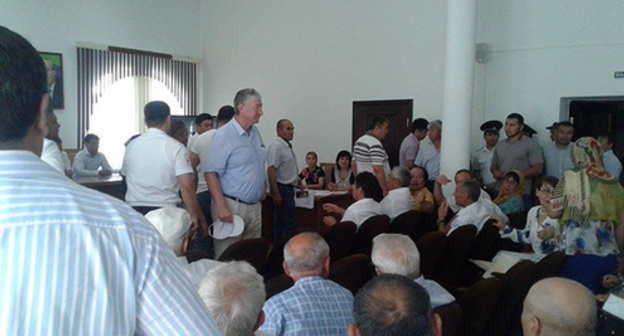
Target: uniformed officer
{"points": [[528, 131], [482, 158]]}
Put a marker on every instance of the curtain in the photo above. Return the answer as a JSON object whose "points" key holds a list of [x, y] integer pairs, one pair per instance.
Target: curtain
{"points": [[98, 69]]}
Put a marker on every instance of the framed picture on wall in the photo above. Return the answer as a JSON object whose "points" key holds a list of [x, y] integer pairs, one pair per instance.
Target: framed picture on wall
{"points": [[54, 67]]}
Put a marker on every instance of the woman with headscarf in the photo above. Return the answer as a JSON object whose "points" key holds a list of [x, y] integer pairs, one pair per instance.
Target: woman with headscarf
{"points": [[588, 202], [509, 198]]}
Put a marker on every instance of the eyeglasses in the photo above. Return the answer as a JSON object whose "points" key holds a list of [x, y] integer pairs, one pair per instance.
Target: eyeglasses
{"points": [[547, 191]]}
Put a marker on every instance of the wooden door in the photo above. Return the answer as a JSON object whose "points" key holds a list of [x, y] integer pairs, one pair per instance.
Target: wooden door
{"points": [[399, 115]]}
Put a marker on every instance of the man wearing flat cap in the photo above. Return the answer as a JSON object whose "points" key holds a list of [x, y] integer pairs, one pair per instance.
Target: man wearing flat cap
{"points": [[482, 158]]}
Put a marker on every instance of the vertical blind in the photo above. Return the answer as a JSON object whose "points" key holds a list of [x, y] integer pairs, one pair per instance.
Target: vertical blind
{"points": [[98, 69]]}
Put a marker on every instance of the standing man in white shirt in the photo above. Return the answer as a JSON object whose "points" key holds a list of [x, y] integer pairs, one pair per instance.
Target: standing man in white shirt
{"points": [[611, 163], [89, 160], [482, 158], [429, 154], [157, 168], [369, 154], [51, 153], [557, 154], [203, 123], [283, 178]]}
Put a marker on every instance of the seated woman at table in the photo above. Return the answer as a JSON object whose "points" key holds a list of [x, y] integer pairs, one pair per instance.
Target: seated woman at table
{"points": [[540, 229], [367, 194], [423, 198], [313, 175], [509, 198], [341, 178]]}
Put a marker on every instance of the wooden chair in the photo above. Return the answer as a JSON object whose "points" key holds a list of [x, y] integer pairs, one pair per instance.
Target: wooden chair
{"points": [[363, 241], [516, 284], [277, 285], [451, 315], [424, 224], [340, 238], [478, 305], [485, 242], [352, 272], [549, 266], [194, 255], [431, 246], [455, 257], [254, 251], [273, 266], [404, 223]]}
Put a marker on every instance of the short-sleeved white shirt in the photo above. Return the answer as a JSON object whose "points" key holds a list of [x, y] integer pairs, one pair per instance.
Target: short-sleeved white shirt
{"points": [[151, 165], [453, 206], [281, 156], [397, 201], [368, 152], [51, 154], [201, 147], [362, 210]]}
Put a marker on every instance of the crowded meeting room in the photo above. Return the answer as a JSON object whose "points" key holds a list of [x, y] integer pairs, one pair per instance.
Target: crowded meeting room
{"points": [[306, 168]]}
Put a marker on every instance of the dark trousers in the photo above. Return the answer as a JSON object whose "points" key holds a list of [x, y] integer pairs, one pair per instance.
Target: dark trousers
{"points": [[199, 243], [143, 210], [285, 220]]}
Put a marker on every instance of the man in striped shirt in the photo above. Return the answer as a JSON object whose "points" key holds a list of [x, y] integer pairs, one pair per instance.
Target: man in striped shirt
{"points": [[74, 261], [369, 153]]}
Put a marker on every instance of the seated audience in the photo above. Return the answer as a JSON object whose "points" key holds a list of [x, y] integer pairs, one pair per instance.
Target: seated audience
{"points": [[234, 293], [342, 178], [51, 154], [179, 131], [540, 230], [89, 160], [313, 175], [559, 307], [509, 197], [366, 193], [392, 304], [461, 176], [423, 198], [474, 211], [611, 162], [314, 305], [203, 122], [399, 198], [75, 261], [397, 254]]}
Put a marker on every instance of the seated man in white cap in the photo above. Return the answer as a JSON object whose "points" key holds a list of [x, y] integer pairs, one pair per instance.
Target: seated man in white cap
{"points": [[397, 254], [174, 225], [234, 293]]}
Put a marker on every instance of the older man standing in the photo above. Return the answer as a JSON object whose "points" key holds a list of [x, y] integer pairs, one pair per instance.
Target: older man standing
{"points": [[429, 155], [313, 306], [283, 177], [234, 170], [397, 254], [558, 307], [85, 264], [369, 154]]}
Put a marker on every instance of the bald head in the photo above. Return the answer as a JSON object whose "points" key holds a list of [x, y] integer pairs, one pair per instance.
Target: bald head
{"points": [[306, 254], [557, 306]]}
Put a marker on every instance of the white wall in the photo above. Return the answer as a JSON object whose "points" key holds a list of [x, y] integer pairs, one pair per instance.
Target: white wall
{"points": [[311, 59], [55, 26], [545, 50]]}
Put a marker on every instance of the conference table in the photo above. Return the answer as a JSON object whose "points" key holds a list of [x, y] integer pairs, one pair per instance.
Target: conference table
{"points": [[112, 185], [310, 217]]}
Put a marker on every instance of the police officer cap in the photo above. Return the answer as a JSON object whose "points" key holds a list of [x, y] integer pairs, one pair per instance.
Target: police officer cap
{"points": [[528, 130], [493, 126], [553, 126]]}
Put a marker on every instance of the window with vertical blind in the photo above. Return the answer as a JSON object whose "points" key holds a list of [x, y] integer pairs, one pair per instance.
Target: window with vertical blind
{"points": [[115, 83]]}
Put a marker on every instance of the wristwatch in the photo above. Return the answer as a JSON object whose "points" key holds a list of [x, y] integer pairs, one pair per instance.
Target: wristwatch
{"points": [[440, 222]]}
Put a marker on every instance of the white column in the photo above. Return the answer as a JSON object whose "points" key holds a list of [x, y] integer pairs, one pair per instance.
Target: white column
{"points": [[458, 85]]}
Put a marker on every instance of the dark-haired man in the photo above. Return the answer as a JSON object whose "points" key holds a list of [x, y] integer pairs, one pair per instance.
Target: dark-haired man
{"points": [[392, 304], [557, 154], [481, 161], [83, 263], [369, 154], [89, 160], [518, 152], [411, 144], [51, 153], [611, 163], [203, 123]]}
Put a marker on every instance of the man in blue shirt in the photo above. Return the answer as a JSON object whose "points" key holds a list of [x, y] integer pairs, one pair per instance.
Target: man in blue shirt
{"points": [[313, 306], [234, 170], [75, 261]]}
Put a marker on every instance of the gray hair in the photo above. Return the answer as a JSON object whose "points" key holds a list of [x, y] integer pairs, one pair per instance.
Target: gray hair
{"points": [[436, 124], [306, 258], [472, 189], [396, 254], [244, 96], [234, 293], [402, 175]]}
